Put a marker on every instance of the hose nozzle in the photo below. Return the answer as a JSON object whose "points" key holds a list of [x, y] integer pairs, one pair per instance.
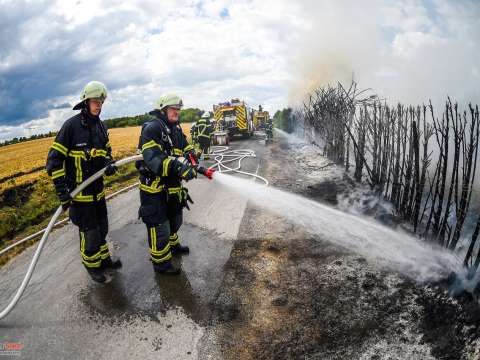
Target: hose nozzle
{"points": [[206, 172]]}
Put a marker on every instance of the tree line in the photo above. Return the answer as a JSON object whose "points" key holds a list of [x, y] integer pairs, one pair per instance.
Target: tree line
{"points": [[283, 120], [186, 115], [16, 140], [425, 164]]}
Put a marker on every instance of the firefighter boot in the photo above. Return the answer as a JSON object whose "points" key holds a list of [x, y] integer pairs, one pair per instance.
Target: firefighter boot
{"points": [[179, 249], [175, 247], [166, 268], [110, 263], [97, 275]]}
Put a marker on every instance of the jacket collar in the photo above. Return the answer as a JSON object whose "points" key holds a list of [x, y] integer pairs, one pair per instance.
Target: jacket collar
{"points": [[163, 118], [88, 119]]}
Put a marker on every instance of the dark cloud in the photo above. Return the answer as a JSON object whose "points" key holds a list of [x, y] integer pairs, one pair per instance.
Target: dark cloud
{"points": [[54, 65], [139, 49], [29, 88]]}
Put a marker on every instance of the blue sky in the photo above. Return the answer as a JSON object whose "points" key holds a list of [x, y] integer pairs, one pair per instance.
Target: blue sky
{"points": [[265, 52]]}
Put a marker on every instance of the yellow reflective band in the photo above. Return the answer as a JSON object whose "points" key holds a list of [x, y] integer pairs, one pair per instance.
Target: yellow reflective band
{"points": [[60, 148], [177, 152], [92, 265], [149, 145], [165, 164], [188, 148], [93, 257], [155, 183], [174, 240], [83, 198], [82, 242], [153, 189], [165, 258], [161, 252], [88, 198], [178, 191], [201, 131], [98, 153], [77, 154], [58, 173], [153, 238], [78, 166], [108, 145]]}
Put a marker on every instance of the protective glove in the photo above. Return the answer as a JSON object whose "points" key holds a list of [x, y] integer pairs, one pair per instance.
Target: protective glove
{"points": [[65, 200], [184, 171], [111, 169]]}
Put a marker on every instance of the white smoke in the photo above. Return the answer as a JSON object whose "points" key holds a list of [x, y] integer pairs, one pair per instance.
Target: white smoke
{"points": [[406, 50]]}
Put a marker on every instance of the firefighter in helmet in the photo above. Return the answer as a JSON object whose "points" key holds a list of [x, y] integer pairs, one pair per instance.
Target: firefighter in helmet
{"points": [[165, 149], [269, 130], [81, 148], [204, 131]]}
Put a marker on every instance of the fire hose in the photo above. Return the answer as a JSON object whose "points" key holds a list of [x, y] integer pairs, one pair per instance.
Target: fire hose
{"points": [[48, 229], [221, 155]]}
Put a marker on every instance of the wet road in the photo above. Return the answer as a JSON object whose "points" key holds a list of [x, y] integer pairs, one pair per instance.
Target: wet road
{"points": [[137, 314]]}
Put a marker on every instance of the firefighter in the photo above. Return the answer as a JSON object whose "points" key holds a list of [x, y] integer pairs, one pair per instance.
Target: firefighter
{"points": [[162, 196], [269, 130], [204, 134], [80, 149], [193, 134]]}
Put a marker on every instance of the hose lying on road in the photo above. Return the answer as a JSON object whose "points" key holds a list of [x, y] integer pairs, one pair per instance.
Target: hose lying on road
{"points": [[221, 154], [55, 216]]}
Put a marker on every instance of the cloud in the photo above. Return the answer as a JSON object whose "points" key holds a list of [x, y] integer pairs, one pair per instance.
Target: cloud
{"points": [[207, 51], [406, 50], [264, 51]]}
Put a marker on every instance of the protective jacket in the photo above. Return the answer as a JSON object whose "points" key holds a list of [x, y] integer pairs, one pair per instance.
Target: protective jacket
{"points": [[204, 129], [161, 142], [80, 149]]}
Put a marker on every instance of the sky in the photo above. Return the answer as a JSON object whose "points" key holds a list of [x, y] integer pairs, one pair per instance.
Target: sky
{"points": [[261, 51]]}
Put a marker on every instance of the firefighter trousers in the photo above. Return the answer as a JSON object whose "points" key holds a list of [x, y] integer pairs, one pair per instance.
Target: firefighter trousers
{"points": [[204, 143], [92, 221], [163, 222]]}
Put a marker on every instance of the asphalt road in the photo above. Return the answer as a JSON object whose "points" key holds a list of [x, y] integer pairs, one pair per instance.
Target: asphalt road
{"points": [[137, 314]]}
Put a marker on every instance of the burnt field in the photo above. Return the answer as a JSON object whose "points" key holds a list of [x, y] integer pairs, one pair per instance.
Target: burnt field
{"points": [[289, 295]]}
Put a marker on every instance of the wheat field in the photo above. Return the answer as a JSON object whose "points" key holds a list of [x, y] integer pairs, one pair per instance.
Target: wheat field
{"points": [[24, 162]]}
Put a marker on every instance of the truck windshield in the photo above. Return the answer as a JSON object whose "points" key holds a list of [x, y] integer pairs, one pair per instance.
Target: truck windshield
{"points": [[229, 116]]}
